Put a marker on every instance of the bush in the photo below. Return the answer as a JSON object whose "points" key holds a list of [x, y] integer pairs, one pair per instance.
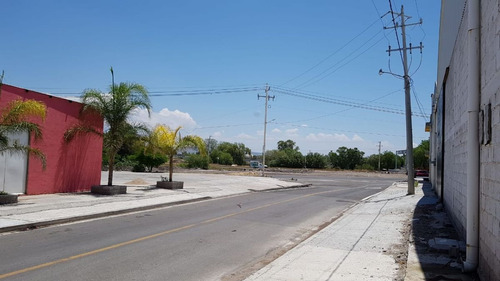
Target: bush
{"points": [[194, 161], [221, 157], [139, 168], [149, 161], [316, 161], [124, 164], [287, 158], [365, 167]]}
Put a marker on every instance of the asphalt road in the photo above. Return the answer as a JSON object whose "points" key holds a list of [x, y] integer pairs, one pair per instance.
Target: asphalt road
{"points": [[226, 238]]}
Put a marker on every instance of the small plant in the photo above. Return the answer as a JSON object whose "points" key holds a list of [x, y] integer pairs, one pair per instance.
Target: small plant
{"points": [[3, 193]]}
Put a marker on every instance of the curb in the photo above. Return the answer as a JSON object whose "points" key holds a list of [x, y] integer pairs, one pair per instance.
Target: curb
{"points": [[29, 226]]}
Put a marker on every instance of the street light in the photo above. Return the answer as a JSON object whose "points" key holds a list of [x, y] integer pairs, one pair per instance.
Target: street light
{"points": [[380, 72]]}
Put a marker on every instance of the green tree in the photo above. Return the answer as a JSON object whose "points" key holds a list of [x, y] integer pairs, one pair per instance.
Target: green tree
{"points": [[115, 107], [421, 155], [238, 151], [134, 137], [333, 159], [211, 145], [347, 158], [287, 158], [170, 142], [316, 161], [197, 161], [16, 118], [149, 160], [288, 144], [221, 157]]}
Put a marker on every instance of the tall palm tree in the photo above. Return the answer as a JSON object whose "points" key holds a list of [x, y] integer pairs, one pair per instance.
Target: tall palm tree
{"points": [[16, 118], [115, 107], [168, 141]]}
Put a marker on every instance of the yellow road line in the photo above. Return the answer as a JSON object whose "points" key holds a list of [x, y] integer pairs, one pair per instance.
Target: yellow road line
{"points": [[133, 241]]}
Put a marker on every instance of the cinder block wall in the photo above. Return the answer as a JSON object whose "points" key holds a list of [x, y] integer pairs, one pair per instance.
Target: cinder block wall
{"points": [[455, 133], [489, 224], [455, 147]]}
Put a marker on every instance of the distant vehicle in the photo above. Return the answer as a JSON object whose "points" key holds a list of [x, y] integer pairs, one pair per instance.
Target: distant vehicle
{"points": [[421, 173], [256, 165]]}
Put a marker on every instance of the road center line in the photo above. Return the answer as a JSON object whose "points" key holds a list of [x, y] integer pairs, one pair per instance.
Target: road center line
{"points": [[140, 239]]}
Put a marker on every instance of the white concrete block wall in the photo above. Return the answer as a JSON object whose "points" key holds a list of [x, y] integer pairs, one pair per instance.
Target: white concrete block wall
{"points": [[455, 139], [455, 132], [489, 224]]}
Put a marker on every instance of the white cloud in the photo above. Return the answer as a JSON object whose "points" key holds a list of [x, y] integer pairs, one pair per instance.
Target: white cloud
{"points": [[292, 132], [357, 138], [73, 98], [217, 134], [244, 136], [276, 130], [321, 137], [172, 119]]}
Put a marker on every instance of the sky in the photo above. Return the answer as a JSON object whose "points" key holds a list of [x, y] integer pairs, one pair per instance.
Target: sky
{"points": [[206, 65]]}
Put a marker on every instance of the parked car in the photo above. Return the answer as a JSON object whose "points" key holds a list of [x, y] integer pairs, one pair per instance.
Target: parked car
{"points": [[421, 173], [256, 164]]}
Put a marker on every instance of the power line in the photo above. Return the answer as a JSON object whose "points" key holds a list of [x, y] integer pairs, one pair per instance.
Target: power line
{"points": [[419, 104], [296, 93], [343, 110], [322, 75], [396, 32], [332, 54], [380, 17], [187, 92]]}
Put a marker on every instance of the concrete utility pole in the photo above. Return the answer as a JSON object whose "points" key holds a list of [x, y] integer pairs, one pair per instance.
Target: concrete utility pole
{"points": [[409, 132], [267, 97]]}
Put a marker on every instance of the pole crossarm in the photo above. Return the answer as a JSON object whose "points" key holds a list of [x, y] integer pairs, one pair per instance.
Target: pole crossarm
{"points": [[420, 47]]}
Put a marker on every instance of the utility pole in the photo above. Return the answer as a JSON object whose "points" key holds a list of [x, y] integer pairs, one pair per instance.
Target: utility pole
{"points": [[409, 132], [379, 147], [267, 97]]}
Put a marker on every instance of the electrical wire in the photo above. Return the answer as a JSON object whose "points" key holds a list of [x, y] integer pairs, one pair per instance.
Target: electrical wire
{"points": [[381, 21], [419, 104], [327, 72], [340, 111], [197, 92], [332, 54], [296, 93], [396, 32]]}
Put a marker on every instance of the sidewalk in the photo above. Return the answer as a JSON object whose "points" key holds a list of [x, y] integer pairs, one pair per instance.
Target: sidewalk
{"points": [[375, 240], [40, 210]]}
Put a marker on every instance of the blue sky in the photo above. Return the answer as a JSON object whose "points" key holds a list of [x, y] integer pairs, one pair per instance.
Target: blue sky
{"points": [[205, 62]]}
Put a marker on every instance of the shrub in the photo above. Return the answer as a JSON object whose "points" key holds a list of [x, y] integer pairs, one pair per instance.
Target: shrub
{"points": [[139, 168], [197, 161]]}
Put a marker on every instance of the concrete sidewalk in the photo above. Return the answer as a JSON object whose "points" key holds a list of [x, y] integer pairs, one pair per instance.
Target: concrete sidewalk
{"points": [[374, 240], [40, 210]]}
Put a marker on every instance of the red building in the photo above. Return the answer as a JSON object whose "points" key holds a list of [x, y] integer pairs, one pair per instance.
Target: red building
{"points": [[71, 167]]}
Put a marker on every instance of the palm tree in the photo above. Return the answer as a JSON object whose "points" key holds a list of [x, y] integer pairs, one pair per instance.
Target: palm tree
{"points": [[168, 141], [16, 118], [115, 107]]}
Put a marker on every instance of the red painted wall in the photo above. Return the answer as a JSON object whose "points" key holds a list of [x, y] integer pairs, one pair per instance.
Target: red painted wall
{"points": [[71, 167]]}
